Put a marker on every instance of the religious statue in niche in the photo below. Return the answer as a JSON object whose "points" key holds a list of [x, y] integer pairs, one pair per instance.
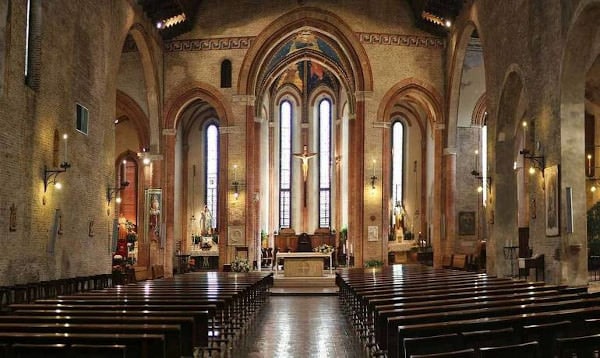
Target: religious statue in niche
{"points": [[399, 216], [12, 226], [205, 221]]}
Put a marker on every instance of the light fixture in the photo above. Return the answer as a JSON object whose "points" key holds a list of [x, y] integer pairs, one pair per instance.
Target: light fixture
{"points": [[112, 192], [50, 175], [537, 161], [236, 186], [373, 177], [487, 179]]}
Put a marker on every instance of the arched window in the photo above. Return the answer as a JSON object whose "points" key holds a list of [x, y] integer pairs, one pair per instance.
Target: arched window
{"points": [[4, 33], [397, 162], [212, 170], [226, 74], [483, 151], [324, 163], [33, 34], [285, 164]]}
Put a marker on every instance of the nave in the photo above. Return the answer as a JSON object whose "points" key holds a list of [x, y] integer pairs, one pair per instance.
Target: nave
{"points": [[300, 326]]}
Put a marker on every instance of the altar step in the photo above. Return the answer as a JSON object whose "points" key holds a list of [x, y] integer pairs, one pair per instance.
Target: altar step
{"points": [[295, 286]]}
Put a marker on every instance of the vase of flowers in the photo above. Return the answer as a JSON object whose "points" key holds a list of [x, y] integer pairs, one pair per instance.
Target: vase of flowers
{"points": [[240, 264], [324, 249]]}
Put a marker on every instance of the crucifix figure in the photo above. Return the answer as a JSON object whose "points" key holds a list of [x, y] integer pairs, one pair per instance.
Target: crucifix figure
{"points": [[304, 156]]}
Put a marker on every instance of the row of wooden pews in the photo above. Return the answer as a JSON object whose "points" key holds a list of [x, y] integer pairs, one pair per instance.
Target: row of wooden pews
{"points": [[187, 315], [414, 310]]}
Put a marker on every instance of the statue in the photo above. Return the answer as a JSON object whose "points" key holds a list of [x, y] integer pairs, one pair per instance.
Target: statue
{"points": [[205, 221], [399, 215]]}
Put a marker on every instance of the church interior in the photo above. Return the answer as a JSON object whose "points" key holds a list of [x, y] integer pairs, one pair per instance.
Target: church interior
{"points": [[176, 143]]}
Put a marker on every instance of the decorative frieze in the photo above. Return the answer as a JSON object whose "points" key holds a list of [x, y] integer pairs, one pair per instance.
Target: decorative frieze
{"points": [[222, 43], [373, 38], [244, 42]]}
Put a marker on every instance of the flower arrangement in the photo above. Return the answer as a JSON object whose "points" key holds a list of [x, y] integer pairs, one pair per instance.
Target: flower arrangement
{"points": [[240, 264], [131, 231], [324, 249], [373, 263]]}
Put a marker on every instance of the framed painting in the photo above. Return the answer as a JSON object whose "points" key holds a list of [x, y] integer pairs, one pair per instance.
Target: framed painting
{"points": [[466, 223], [551, 183], [152, 214], [236, 236], [373, 233]]}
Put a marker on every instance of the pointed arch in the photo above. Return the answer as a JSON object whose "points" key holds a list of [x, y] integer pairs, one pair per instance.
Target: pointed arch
{"points": [[127, 106]]}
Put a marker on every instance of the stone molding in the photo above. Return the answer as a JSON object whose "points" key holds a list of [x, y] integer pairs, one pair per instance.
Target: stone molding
{"points": [[221, 43], [244, 42], [375, 38]]}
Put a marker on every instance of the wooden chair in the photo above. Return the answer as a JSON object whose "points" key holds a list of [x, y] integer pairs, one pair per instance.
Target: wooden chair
{"points": [[546, 335], [582, 346], [432, 344], [463, 353], [523, 350], [489, 338]]}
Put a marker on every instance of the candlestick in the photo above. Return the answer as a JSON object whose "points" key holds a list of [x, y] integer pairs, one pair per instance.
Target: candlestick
{"points": [[589, 157], [524, 134], [124, 171], [373, 167], [476, 164], [235, 172], [65, 136]]}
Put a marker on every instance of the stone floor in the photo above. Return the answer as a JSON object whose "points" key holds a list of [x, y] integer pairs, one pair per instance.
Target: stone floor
{"points": [[298, 326]]}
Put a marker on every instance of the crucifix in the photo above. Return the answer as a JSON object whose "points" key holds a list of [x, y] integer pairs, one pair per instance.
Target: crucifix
{"points": [[304, 156]]}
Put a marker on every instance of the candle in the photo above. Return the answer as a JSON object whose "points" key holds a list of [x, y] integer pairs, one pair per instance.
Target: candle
{"points": [[476, 164], [524, 134], [589, 157], [65, 136], [124, 171], [373, 167], [351, 249], [235, 172]]}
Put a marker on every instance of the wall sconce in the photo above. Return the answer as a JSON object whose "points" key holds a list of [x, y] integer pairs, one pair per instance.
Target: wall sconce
{"points": [[373, 176], [479, 177], [111, 192], [236, 186], [50, 175], [537, 161]]}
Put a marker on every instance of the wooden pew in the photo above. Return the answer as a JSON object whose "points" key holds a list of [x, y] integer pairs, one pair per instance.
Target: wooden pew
{"points": [[138, 345], [171, 333]]}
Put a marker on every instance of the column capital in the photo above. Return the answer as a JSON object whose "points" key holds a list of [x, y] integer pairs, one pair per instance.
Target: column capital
{"points": [[169, 132]]}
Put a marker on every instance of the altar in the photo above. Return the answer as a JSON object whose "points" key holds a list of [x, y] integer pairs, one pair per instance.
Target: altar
{"points": [[303, 264], [205, 253]]}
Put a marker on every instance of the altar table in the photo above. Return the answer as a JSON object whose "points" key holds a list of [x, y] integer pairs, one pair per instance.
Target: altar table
{"points": [[303, 264]]}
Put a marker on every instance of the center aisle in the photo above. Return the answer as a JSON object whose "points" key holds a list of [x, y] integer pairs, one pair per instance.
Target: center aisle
{"points": [[299, 326]]}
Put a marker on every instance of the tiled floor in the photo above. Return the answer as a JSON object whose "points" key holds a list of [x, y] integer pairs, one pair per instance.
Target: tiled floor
{"points": [[299, 326]]}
